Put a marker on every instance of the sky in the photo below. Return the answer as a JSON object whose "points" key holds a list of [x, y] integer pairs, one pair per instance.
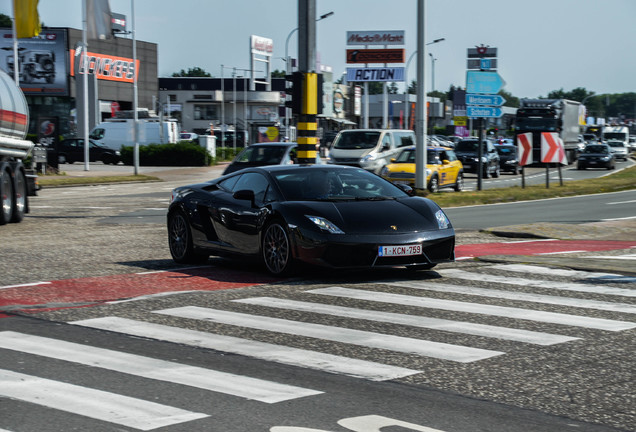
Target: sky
{"points": [[543, 45]]}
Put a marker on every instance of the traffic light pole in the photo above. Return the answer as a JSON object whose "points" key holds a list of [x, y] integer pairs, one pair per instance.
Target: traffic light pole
{"points": [[307, 120]]}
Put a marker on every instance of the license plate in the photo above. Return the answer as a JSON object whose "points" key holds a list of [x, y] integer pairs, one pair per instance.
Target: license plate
{"points": [[401, 182], [388, 251]]}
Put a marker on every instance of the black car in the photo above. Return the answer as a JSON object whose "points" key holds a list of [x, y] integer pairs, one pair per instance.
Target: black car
{"points": [[327, 215], [467, 152], [596, 156], [262, 154], [508, 158], [72, 150]]}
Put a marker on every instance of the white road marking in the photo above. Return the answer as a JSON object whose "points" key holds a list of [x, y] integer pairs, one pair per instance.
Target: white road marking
{"points": [[552, 285], [260, 350], [421, 347], [162, 370], [96, 404], [599, 276], [529, 297], [618, 257], [497, 332], [477, 308]]}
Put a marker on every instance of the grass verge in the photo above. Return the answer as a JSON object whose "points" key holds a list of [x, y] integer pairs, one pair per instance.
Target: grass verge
{"points": [[61, 180], [622, 180]]}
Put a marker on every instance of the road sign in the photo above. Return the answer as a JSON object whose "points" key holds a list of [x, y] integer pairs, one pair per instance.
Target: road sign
{"points": [[483, 111], [552, 148], [483, 82], [524, 145], [480, 99]]}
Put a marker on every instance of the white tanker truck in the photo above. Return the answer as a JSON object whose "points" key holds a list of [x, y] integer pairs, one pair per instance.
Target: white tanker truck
{"points": [[15, 183]]}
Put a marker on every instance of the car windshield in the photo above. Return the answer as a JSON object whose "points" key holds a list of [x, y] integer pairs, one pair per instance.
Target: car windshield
{"points": [[267, 155], [615, 144], [408, 156], [468, 146], [505, 150], [595, 149], [335, 185], [356, 140]]}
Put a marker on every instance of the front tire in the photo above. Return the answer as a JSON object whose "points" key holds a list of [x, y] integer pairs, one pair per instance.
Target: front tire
{"points": [[459, 182], [433, 184], [180, 240], [276, 248]]}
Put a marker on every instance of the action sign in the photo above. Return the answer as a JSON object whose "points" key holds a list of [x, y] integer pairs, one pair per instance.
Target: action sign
{"points": [[483, 82], [375, 74], [483, 111]]}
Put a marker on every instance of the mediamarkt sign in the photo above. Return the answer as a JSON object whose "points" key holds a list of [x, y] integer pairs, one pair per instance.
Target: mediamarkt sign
{"points": [[391, 37]]}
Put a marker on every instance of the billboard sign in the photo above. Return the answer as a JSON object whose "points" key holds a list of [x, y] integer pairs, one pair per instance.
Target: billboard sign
{"points": [[261, 46], [395, 55], [375, 74], [105, 66], [392, 37], [42, 64]]}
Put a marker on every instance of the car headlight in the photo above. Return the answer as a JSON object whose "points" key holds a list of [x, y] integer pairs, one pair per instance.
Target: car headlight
{"points": [[606, 158], [442, 219], [117, 152], [325, 224], [368, 158], [484, 159]]}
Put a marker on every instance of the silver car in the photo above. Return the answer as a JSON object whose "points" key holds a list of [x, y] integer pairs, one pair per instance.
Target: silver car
{"points": [[619, 149]]}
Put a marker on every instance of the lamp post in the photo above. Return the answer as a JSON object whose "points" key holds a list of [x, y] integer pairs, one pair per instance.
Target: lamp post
{"points": [[432, 71], [406, 91], [288, 64]]}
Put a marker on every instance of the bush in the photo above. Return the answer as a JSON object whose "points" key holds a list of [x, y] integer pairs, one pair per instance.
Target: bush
{"points": [[227, 153], [179, 154]]}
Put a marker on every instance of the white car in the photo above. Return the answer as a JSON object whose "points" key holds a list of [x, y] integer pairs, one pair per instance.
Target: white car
{"points": [[619, 149]]}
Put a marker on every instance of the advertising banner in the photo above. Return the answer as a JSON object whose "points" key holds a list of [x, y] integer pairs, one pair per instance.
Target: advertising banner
{"points": [[392, 37], [375, 74], [395, 55], [42, 65]]}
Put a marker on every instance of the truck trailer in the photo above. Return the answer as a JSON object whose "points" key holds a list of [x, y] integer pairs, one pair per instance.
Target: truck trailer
{"points": [[15, 182], [550, 115]]}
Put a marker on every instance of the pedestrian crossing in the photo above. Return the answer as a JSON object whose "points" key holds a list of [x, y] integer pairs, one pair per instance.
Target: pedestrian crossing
{"points": [[450, 320]]}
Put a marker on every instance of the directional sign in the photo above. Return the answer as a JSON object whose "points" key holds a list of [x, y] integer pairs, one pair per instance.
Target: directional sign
{"points": [[552, 148], [524, 146], [483, 111], [483, 82], [480, 99]]}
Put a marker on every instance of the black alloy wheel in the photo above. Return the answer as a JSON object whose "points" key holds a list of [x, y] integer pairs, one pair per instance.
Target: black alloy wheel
{"points": [[433, 185], [19, 196], [6, 197], [180, 240], [459, 182], [276, 248]]}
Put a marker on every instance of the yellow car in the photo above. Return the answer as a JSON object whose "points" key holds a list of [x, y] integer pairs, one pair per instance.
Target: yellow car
{"points": [[443, 169]]}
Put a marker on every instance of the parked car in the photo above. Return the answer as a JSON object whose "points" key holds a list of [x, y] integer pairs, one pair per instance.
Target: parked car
{"points": [[273, 153], [326, 215], [72, 150], [596, 156], [443, 169], [508, 158], [188, 136], [467, 152], [619, 149]]}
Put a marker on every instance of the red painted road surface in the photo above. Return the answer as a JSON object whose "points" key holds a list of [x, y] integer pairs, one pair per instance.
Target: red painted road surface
{"points": [[46, 296]]}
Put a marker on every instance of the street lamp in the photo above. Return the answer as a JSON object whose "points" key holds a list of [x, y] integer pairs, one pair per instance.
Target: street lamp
{"points": [[406, 91], [288, 64], [432, 71]]}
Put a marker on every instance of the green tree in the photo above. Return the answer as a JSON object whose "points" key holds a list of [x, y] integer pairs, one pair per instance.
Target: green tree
{"points": [[192, 72], [278, 74], [511, 101], [5, 21]]}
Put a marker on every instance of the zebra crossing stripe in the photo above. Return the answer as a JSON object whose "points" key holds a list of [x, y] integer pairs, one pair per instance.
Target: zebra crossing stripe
{"points": [[420, 347], [562, 286], [529, 297], [261, 350], [96, 404], [526, 336], [477, 308], [146, 367], [588, 276]]}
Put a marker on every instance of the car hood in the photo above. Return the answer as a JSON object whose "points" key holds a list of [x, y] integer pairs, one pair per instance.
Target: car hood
{"points": [[391, 216], [350, 153], [594, 155]]}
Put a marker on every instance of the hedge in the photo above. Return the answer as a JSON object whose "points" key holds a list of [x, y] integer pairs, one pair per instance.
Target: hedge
{"points": [[179, 154]]}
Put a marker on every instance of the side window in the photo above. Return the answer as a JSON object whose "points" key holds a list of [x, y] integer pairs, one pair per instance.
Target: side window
{"points": [[98, 134], [228, 184], [255, 182], [451, 155], [405, 139]]}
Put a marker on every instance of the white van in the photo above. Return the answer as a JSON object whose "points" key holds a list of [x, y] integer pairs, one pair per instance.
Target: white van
{"points": [[371, 149], [115, 133]]}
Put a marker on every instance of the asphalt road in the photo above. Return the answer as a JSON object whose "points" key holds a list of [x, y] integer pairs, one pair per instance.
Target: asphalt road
{"points": [[452, 340]]}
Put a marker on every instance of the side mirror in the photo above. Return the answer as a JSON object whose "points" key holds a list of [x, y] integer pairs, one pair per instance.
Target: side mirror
{"points": [[393, 160], [407, 189], [445, 162], [244, 194]]}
